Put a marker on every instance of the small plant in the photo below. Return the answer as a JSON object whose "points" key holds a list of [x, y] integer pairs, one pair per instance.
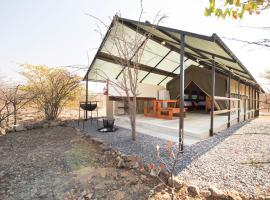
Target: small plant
{"points": [[167, 158]]}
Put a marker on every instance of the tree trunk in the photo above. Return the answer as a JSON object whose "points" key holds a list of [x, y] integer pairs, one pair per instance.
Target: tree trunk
{"points": [[132, 115], [15, 114]]}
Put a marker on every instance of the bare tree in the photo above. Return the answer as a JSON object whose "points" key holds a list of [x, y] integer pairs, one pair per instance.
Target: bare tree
{"points": [[126, 50], [12, 99]]}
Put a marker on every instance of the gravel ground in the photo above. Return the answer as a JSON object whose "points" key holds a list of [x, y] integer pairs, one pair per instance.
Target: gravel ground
{"points": [[145, 145], [241, 162], [227, 160]]}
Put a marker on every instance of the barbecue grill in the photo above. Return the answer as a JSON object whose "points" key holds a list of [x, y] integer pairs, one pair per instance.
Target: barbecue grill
{"points": [[88, 106]]}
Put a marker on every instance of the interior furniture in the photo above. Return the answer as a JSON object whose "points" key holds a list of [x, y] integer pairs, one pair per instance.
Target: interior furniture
{"points": [[158, 111]]}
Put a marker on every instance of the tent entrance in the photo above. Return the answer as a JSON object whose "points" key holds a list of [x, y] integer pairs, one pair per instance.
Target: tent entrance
{"points": [[195, 98]]}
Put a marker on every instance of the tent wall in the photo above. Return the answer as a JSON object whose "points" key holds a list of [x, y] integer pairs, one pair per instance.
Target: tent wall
{"points": [[201, 77]]}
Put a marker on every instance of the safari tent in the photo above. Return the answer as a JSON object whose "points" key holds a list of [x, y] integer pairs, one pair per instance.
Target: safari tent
{"points": [[199, 73]]}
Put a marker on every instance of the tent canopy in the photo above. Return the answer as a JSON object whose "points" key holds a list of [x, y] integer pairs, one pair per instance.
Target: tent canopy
{"points": [[160, 59]]}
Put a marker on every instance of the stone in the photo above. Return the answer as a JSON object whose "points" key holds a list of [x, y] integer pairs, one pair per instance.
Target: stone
{"points": [[233, 195], [42, 194], [193, 190], [261, 197], [121, 163], [118, 158], [45, 125], [2, 131], [206, 193], [216, 193], [19, 127], [88, 196], [267, 198], [164, 175], [135, 165], [37, 125], [97, 141], [63, 123], [53, 123], [176, 182]]}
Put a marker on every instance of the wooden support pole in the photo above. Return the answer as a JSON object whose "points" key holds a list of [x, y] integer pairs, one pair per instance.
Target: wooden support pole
{"points": [[182, 87], [258, 102], [229, 102], [253, 101], [249, 98], [86, 96], [245, 102], [238, 96], [211, 131]]}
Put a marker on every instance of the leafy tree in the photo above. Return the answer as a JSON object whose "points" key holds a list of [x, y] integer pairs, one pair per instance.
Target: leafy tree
{"points": [[53, 88], [235, 8]]}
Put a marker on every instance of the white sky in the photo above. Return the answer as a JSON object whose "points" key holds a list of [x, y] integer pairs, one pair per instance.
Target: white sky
{"points": [[58, 33]]}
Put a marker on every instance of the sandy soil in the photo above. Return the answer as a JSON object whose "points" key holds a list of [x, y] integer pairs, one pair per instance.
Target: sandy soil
{"points": [[57, 163]]}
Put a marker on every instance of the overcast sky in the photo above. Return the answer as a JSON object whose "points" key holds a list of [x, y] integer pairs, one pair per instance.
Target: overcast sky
{"points": [[58, 33]]}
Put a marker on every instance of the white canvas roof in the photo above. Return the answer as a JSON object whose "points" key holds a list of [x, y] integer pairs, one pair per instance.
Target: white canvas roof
{"points": [[160, 59]]}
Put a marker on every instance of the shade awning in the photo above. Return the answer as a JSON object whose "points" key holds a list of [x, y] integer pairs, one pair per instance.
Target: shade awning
{"points": [[160, 59]]}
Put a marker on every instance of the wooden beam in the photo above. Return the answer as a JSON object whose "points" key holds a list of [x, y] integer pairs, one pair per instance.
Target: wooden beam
{"points": [[226, 98], [217, 112], [120, 61], [156, 65]]}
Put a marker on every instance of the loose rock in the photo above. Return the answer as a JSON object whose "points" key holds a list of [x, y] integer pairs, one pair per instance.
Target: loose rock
{"points": [[206, 193], [215, 192], [19, 127], [121, 163], [176, 182], [193, 190]]}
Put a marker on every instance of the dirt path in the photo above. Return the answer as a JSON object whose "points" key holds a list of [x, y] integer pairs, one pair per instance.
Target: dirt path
{"points": [[56, 163]]}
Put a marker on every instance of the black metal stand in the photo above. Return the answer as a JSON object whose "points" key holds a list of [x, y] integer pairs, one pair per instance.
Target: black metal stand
{"points": [[88, 106]]}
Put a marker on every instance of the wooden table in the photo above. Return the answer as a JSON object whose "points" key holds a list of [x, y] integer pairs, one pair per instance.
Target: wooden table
{"points": [[162, 112]]}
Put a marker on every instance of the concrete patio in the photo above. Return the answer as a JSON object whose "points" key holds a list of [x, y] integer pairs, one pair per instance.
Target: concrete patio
{"points": [[196, 126]]}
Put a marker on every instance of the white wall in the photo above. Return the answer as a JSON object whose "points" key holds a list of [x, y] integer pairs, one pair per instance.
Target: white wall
{"points": [[144, 90]]}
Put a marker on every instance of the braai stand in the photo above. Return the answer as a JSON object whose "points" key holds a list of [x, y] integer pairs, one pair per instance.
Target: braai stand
{"points": [[88, 106]]}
